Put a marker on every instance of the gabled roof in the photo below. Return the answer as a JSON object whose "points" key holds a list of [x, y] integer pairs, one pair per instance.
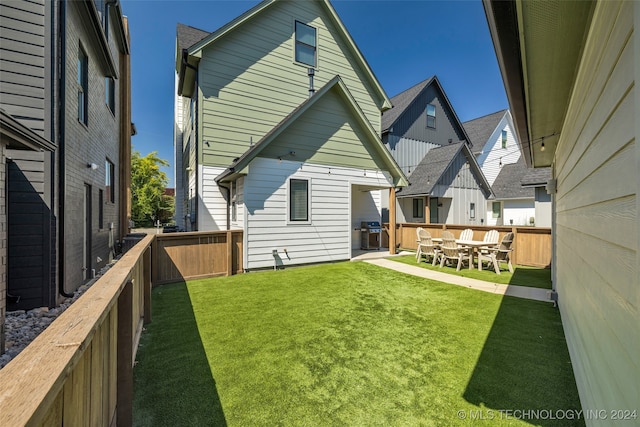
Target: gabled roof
{"points": [[403, 100], [19, 137], [187, 36], [400, 103], [508, 183], [195, 50], [481, 129], [435, 164], [243, 161], [537, 177]]}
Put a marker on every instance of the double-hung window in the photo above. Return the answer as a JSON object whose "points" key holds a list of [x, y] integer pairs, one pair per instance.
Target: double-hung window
{"points": [[306, 44], [431, 116], [299, 200], [83, 86], [504, 139]]}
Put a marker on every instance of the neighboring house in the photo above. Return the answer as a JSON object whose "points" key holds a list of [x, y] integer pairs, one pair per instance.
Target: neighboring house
{"points": [[537, 179], [446, 185], [14, 136], [572, 77], [498, 153], [278, 134], [65, 77]]}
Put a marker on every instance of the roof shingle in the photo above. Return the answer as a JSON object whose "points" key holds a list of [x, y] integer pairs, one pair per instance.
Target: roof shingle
{"points": [[480, 129], [400, 103], [188, 36]]}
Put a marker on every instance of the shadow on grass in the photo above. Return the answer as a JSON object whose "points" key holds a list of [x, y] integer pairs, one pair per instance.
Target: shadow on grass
{"points": [[525, 366], [172, 387], [533, 277]]}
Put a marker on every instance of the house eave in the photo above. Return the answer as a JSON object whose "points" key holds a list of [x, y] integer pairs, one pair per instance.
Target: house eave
{"points": [[19, 137], [88, 9]]}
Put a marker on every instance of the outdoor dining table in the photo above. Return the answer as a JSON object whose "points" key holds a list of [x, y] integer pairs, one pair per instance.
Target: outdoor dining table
{"points": [[473, 244]]}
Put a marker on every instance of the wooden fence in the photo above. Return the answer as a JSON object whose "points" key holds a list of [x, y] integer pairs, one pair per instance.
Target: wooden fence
{"points": [[79, 371], [532, 245], [185, 256]]}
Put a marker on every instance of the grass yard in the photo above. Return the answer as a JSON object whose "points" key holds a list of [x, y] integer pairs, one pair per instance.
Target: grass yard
{"points": [[347, 344], [521, 276]]}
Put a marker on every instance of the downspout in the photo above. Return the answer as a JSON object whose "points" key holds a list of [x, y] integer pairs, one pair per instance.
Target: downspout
{"points": [[62, 53], [228, 203]]}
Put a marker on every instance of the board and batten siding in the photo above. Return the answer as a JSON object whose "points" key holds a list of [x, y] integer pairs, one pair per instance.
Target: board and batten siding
{"points": [[596, 167], [327, 236], [249, 81], [407, 152], [493, 154]]}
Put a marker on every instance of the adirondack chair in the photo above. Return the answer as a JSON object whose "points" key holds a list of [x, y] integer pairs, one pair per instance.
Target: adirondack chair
{"points": [[497, 254], [467, 234], [491, 240], [449, 250], [426, 246]]}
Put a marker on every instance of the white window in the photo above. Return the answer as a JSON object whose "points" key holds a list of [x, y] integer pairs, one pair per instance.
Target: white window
{"points": [[305, 44], [472, 211], [431, 116], [504, 139], [299, 200]]}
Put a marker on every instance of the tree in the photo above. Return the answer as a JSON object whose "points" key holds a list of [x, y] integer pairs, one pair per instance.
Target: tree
{"points": [[148, 182]]}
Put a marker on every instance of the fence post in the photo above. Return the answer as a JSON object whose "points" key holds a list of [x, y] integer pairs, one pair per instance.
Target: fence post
{"points": [[146, 265], [124, 400], [229, 253], [514, 253]]}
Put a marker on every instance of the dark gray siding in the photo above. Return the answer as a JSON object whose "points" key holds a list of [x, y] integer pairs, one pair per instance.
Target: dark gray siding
{"points": [[412, 123], [29, 244], [24, 67]]}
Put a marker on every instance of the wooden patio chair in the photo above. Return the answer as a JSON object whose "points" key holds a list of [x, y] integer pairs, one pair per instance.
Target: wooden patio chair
{"points": [[467, 234], [497, 254], [450, 250], [426, 246]]}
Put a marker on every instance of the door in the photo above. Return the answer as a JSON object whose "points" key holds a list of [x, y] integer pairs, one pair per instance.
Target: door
{"points": [[433, 210], [86, 246]]}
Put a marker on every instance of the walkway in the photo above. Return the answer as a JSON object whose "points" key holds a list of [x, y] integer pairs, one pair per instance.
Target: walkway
{"points": [[494, 288]]}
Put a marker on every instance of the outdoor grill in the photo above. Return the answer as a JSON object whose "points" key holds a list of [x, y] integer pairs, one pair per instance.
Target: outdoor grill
{"points": [[370, 235]]}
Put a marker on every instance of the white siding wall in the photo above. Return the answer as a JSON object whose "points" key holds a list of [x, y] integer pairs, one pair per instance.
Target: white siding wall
{"points": [[177, 156], [212, 205], [543, 207], [328, 236], [492, 152], [457, 204], [596, 165]]}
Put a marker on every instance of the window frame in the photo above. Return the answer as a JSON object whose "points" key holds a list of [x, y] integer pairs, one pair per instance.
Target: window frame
{"points": [[504, 139], [431, 116], [109, 181], [418, 207], [297, 43], [83, 86], [472, 210], [110, 94], [100, 209], [493, 209], [290, 203]]}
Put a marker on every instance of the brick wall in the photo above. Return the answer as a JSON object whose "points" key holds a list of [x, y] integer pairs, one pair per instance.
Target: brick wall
{"points": [[3, 243], [93, 143]]}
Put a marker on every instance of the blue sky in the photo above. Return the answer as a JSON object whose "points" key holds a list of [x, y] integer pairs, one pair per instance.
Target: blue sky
{"points": [[404, 42]]}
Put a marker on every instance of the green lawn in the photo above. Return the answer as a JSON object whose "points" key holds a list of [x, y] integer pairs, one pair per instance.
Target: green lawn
{"points": [[346, 344], [521, 276]]}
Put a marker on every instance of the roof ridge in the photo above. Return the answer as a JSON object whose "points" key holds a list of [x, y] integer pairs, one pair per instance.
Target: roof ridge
{"points": [[487, 115]]}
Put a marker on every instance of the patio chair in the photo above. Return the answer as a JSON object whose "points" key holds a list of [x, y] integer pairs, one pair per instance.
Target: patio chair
{"points": [[426, 246], [497, 254], [467, 234], [450, 250], [491, 240]]}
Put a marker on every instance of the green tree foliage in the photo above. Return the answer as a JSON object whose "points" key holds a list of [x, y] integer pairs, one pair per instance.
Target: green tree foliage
{"points": [[148, 202]]}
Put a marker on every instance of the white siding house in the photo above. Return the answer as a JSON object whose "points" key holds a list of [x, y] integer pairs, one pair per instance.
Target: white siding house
{"points": [[584, 109]]}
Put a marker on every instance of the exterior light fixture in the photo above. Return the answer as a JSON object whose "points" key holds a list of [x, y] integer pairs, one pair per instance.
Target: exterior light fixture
{"points": [[542, 145], [92, 166]]}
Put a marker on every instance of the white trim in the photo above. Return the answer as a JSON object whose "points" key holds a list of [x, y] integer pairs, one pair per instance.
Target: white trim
{"points": [[299, 177]]}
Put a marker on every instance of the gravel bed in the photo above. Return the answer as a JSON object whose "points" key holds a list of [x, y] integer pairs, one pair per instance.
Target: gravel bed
{"points": [[22, 327]]}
